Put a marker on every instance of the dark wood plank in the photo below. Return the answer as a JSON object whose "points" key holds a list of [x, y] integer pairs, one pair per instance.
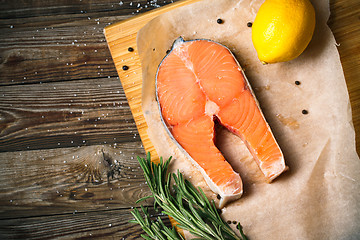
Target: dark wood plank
{"points": [[70, 180], [39, 200], [54, 48], [345, 24], [64, 114], [112, 224], [44, 41], [12, 9]]}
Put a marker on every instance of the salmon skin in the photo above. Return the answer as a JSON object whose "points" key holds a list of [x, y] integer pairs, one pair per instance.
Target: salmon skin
{"points": [[197, 82]]}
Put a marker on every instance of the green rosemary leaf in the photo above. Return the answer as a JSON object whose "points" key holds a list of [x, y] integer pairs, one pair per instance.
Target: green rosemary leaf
{"points": [[194, 193], [239, 227], [169, 233], [186, 204], [154, 230], [141, 221], [143, 199], [146, 237]]}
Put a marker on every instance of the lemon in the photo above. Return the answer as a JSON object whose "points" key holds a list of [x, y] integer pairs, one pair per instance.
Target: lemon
{"points": [[282, 29]]}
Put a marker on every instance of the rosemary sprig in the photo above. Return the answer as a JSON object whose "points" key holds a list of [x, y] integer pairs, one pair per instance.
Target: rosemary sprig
{"points": [[188, 206]]}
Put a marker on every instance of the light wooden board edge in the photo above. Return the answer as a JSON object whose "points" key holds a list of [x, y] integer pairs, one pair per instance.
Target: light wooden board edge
{"points": [[120, 36]]}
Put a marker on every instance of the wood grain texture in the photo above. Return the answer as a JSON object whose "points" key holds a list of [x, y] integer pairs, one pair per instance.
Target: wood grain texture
{"points": [[67, 180], [120, 37], [345, 23], [54, 68], [56, 95], [109, 224], [45, 41], [64, 114], [53, 49], [13, 10]]}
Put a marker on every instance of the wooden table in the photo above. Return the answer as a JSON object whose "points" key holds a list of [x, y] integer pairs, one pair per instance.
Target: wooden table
{"points": [[68, 140]]}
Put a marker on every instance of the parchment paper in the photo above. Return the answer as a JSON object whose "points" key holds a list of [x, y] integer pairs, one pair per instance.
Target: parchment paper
{"points": [[319, 197]]}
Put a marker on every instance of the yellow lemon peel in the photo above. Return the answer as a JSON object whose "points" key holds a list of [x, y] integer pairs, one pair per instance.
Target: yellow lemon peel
{"points": [[283, 29]]}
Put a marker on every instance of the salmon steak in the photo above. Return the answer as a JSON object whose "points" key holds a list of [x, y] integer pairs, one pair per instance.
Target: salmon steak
{"points": [[198, 83]]}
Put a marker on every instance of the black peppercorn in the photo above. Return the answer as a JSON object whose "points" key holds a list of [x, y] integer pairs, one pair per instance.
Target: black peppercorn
{"points": [[219, 21], [249, 24], [218, 196], [304, 111], [167, 51], [125, 67], [297, 82], [130, 49], [228, 222]]}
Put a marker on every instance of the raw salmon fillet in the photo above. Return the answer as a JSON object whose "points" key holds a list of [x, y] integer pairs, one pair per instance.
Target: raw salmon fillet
{"points": [[200, 81]]}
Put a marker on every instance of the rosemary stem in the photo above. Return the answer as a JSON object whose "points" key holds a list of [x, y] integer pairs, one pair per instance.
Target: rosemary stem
{"points": [[188, 206]]}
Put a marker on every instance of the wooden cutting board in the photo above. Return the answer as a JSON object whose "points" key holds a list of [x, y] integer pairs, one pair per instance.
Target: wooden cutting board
{"points": [[120, 36]]}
